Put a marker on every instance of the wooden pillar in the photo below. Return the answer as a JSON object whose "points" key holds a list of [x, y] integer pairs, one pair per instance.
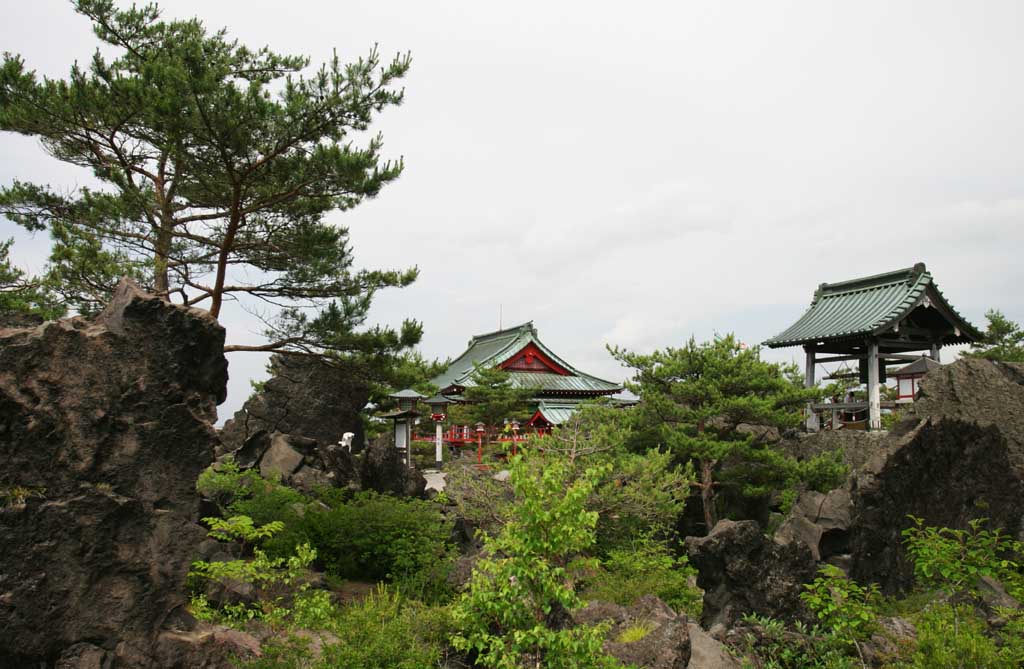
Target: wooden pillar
{"points": [[874, 394], [935, 352], [812, 418]]}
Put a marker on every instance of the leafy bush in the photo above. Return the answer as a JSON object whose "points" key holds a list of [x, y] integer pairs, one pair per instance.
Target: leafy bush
{"points": [[844, 607], [510, 616], [223, 482], [775, 647], [949, 636], [381, 538], [954, 559], [647, 567]]}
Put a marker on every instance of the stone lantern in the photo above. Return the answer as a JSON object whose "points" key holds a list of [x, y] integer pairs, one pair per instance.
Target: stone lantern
{"points": [[404, 417]]}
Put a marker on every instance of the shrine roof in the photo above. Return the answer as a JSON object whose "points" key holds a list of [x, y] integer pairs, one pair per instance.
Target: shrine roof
{"points": [[494, 348], [872, 305]]}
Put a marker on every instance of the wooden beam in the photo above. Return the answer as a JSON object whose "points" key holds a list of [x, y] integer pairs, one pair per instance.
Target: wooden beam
{"points": [[874, 396], [853, 406], [842, 358]]}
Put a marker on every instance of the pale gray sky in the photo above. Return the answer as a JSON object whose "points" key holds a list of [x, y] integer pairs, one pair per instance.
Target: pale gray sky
{"points": [[632, 173]]}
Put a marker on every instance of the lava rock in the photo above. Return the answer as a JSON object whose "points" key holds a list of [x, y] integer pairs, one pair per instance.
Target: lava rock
{"points": [[382, 470], [742, 571], [956, 457], [304, 396], [105, 424], [665, 646]]}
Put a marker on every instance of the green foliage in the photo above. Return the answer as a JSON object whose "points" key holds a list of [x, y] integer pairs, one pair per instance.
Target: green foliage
{"points": [[776, 648], [635, 632], [20, 294], [954, 559], [242, 529], [223, 482], [383, 631], [694, 397], [218, 164], [380, 538], [950, 636], [1003, 340], [842, 605], [646, 567], [18, 495], [511, 614]]}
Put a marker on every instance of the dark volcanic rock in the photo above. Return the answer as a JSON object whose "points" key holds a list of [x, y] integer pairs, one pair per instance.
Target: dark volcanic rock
{"points": [[665, 646], [304, 396], [104, 427], [822, 521], [957, 456], [383, 470], [742, 571]]}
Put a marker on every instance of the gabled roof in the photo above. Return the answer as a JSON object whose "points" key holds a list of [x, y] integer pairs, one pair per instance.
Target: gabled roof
{"points": [[494, 348], [870, 306], [922, 365]]}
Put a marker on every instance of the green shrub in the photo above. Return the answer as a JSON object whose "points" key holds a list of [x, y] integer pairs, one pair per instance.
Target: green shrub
{"points": [[646, 568], [771, 646], [950, 636], [223, 482], [509, 616], [382, 631], [381, 538]]}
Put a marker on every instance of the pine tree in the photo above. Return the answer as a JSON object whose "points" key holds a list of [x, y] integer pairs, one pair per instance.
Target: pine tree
{"points": [[218, 164], [1004, 340], [694, 397]]}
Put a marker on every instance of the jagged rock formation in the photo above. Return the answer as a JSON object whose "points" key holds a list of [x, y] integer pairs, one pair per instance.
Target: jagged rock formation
{"points": [[957, 456], [304, 396], [742, 571], [822, 521], [297, 461], [104, 426], [665, 646], [382, 470]]}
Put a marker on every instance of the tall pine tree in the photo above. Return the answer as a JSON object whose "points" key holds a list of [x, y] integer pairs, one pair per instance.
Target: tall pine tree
{"points": [[218, 164]]}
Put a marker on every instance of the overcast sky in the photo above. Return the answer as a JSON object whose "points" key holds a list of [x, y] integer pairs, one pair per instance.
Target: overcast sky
{"points": [[634, 173]]}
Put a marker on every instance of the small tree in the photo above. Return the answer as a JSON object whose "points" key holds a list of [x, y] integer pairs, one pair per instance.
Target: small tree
{"points": [[1004, 340], [491, 400], [694, 397], [218, 163]]}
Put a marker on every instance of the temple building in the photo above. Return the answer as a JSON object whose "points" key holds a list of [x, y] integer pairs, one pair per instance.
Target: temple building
{"points": [[878, 321], [558, 387]]}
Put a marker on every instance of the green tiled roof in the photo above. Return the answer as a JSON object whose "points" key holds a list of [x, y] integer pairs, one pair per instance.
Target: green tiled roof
{"points": [[494, 348], [557, 413], [871, 306]]}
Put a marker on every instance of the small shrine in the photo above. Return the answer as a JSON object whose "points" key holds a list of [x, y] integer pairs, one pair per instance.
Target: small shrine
{"points": [[558, 388], [876, 321]]}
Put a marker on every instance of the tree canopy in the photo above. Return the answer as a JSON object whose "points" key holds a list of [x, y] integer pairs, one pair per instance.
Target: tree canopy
{"points": [[1004, 339], [218, 163], [694, 397]]}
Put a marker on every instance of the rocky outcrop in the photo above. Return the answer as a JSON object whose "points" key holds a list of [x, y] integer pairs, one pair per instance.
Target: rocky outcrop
{"points": [[707, 652], [822, 521], [742, 571], [958, 455], [297, 461], [104, 426], [664, 636], [303, 396], [382, 470]]}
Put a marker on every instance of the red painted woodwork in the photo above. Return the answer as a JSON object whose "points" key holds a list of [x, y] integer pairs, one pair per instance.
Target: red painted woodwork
{"points": [[531, 359]]}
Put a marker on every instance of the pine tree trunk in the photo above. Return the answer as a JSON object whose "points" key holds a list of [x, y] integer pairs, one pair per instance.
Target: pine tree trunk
{"points": [[707, 493]]}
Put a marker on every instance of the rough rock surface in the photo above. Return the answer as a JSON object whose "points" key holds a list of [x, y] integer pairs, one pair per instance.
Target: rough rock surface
{"points": [[297, 461], [104, 426], [742, 571], [665, 646], [822, 521], [707, 652], [303, 396], [382, 470], [958, 455]]}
